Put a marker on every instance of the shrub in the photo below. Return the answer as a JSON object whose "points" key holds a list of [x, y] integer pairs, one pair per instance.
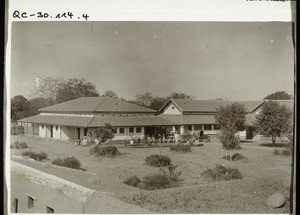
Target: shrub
{"points": [[172, 174], [19, 145], [158, 160], [111, 151], [276, 152], [156, 181], [70, 162], [234, 157], [133, 181], [287, 152], [221, 173], [37, 156], [180, 148]]}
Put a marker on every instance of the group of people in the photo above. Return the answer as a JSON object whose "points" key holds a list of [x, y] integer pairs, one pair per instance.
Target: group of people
{"points": [[86, 141]]}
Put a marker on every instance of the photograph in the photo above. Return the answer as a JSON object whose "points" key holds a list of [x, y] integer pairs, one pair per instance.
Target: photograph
{"points": [[145, 117]]}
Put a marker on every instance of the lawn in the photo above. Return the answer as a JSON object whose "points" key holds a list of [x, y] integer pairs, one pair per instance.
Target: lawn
{"points": [[263, 174]]}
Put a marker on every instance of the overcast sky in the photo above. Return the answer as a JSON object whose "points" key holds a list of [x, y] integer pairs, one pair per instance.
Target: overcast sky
{"points": [[238, 61]]}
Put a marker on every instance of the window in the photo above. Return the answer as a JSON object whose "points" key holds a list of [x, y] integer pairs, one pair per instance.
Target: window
{"points": [[43, 126], [56, 127], [198, 127], [15, 204], [49, 210], [138, 130], [207, 127], [121, 130], [131, 130], [173, 107], [30, 202]]}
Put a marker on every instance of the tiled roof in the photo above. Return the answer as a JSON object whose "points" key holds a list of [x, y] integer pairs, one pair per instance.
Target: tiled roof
{"points": [[81, 121], [97, 104], [189, 105]]}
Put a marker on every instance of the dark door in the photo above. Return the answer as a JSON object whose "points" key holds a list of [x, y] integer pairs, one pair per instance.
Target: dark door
{"points": [[78, 133], [15, 203], [51, 131]]}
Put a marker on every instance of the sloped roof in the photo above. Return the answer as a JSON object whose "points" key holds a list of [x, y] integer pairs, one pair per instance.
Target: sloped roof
{"points": [[97, 104], [189, 105], [81, 121], [130, 121]]}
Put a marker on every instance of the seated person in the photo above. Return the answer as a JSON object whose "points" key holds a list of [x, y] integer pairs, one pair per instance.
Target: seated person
{"points": [[84, 141]]}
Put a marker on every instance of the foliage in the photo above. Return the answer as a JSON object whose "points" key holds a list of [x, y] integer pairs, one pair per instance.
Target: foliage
{"points": [[110, 93], [156, 181], [274, 120], [276, 152], [17, 129], [133, 181], [37, 156], [75, 88], [144, 99], [234, 157], [222, 173], [158, 160], [176, 95], [157, 102], [70, 162], [172, 174], [110, 151], [19, 107], [105, 133], [180, 148], [280, 95], [37, 103], [19, 145], [231, 119]]}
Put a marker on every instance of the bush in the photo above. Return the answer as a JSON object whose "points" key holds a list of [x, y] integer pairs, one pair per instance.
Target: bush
{"points": [[180, 148], [70, 162], [172, 174], [276, 152], [156, 181], [221, 173], [234, 157], [158, 160], [37, 156], [133, 181], [19, 145], [287, 152], [111, 151]]}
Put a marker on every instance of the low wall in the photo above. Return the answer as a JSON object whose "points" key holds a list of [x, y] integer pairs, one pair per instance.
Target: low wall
{"points": [[36, 192]]}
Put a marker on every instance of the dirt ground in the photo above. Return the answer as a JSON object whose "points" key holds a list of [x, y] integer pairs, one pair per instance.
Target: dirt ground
{"points": [[263, 175]]}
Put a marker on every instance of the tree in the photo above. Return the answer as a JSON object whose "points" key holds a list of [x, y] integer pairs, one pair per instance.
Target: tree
{"points": [[280, 95], [176, 95], [37, 103], [110, 93], [274, 120], [19, 107], [144, 99], [75, 88], [157, 102], [105, 133], [231, 119]]}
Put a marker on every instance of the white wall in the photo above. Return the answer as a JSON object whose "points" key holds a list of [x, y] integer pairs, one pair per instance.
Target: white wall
{"points": [[64, 133], [42, 131], [56, 132], [171, 109]]}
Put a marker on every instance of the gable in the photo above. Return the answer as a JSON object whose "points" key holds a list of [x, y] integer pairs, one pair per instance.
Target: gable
{"points": [[171, 109]]}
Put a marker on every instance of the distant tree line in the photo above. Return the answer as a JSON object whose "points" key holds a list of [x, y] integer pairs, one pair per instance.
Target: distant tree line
{"points": [[54, 90]]}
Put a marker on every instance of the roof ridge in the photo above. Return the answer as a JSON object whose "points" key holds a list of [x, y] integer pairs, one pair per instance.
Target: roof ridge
{"points": [[99, 104]]}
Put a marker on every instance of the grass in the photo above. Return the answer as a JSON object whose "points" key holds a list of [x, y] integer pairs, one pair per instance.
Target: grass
{"points": [[180, 148], [156, 181], [234, 157], [222, 173], [70, 162], [278, 145], [37, 156], [110, 151], [158, 160]]}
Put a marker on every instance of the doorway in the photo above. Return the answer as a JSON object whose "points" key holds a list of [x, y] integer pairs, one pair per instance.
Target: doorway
{"points": [[51, 131], [78, 133]]}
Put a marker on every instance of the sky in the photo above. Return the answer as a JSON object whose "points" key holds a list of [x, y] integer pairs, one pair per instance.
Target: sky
{"points": [[209, 60]]}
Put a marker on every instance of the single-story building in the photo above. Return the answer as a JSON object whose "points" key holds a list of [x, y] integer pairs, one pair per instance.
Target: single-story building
{"points": [[80, 117]]}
